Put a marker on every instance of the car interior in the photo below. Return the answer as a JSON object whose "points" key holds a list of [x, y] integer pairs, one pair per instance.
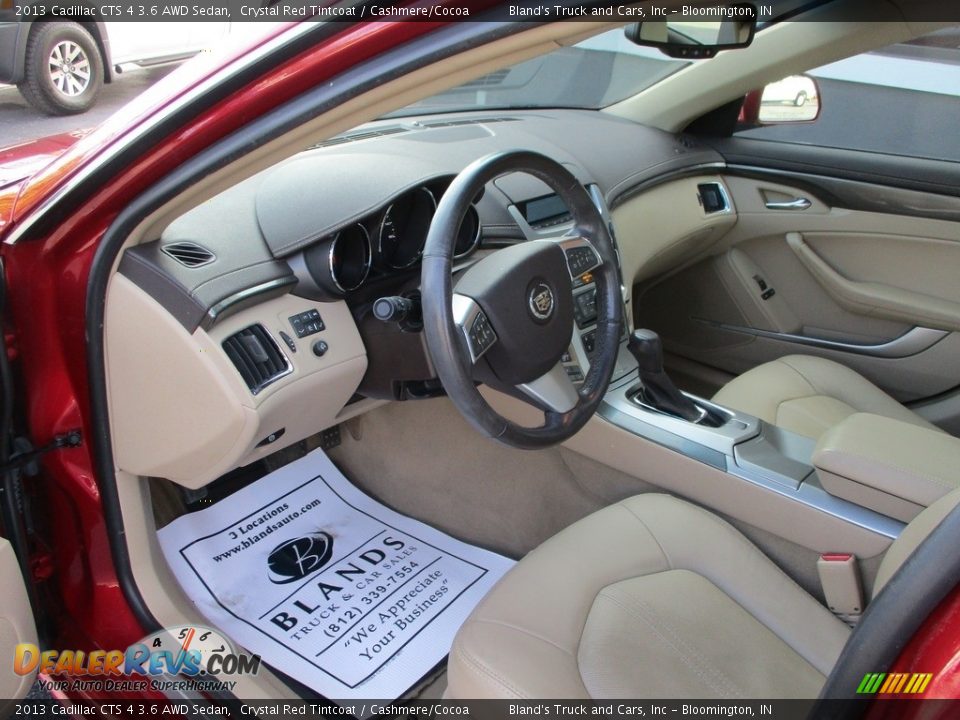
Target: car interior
{"points": [[714, 425]]}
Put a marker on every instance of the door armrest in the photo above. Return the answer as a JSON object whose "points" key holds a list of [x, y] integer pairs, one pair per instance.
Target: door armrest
{"points": [[876, 299]]}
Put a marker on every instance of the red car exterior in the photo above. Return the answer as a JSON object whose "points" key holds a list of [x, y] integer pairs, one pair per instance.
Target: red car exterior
{"points": [[51, 225], [51, 274]]}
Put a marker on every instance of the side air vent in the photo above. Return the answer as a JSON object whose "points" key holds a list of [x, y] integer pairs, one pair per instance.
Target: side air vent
{"points": [[189, 254], [257, 356], [354, 137]]}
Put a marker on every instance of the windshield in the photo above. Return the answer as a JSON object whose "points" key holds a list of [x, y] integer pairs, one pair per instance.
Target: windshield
{"points": [[590, 75], [595, 73]]}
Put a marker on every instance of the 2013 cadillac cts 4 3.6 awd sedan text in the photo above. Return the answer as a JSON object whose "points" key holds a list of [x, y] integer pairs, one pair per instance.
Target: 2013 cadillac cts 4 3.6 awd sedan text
{"points": [[499, 360]]}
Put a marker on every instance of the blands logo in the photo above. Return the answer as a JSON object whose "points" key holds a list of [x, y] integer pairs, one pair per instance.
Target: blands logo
{"points": [[295, 559], [894, 683]]}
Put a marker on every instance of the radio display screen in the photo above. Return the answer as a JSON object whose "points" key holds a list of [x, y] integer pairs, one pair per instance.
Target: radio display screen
{"points": [[543, 209]]}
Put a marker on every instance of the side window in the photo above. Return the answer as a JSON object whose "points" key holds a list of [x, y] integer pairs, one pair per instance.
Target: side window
{"points": [[901, 100]]}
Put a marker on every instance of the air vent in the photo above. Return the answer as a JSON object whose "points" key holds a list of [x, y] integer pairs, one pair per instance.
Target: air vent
{"points": [[494, 78], [189, 254], [468, 121], [257, 356], [354, 137], [713, 198]]}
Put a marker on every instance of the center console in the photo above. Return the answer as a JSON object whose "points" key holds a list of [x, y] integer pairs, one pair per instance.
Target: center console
{"points": [[643, 403], [729, 461], [739, 444]]}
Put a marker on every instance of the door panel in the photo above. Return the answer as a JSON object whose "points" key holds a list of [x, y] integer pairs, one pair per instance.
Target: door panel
{"points": [[869, 275], [876, 291], [16, 626]]}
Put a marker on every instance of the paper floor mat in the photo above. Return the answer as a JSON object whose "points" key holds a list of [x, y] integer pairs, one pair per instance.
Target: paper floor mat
{"points": [[327, 585]]}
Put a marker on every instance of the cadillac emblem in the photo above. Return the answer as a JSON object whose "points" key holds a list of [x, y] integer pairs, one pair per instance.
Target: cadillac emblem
{"points": [[541, 301]]}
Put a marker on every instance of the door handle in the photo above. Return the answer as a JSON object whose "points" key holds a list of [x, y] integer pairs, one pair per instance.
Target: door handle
{"points": [[800, 203]]}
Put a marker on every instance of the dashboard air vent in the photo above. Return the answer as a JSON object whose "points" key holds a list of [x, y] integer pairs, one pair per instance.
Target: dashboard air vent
{"points": [[494, 78], [469, 121], [189, 254], [257, 357], [363, 135]]}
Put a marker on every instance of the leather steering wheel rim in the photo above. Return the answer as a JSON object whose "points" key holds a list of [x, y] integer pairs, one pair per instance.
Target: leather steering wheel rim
{"points": [[445, 342]]}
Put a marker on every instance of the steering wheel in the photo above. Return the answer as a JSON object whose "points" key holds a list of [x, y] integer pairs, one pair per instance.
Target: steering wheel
{"points": [[509, 319]]}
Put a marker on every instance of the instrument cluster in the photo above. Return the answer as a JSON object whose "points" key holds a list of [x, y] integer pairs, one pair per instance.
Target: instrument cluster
{"points": [[386, 243]]}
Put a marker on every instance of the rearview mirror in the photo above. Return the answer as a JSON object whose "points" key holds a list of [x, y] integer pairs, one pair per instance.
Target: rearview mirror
{"points": [[682, 35]]}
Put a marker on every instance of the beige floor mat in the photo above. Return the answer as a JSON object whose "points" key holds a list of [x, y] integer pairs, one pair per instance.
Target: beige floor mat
{"points": [[424, 460]]}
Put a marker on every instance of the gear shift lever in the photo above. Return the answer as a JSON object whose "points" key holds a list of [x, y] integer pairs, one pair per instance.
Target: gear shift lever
{"points": [[658, 390]]}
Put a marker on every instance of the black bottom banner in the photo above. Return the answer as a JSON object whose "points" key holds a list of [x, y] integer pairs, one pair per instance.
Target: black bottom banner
{"points": [[487, 709]]}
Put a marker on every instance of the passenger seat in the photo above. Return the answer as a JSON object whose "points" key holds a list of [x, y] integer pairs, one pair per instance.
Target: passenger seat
{"points": [[809, 395]]}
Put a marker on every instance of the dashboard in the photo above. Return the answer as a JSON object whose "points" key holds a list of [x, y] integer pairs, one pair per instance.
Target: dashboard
{"points": [[256, 308]]}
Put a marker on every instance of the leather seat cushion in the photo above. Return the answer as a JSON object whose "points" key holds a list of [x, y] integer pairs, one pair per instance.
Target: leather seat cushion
{"points": [[809, 395], [651, 596], [667, 634]]}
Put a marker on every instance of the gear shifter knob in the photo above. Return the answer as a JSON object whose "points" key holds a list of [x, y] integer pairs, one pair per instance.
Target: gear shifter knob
{"points": [[658, 390], [647, 348]]}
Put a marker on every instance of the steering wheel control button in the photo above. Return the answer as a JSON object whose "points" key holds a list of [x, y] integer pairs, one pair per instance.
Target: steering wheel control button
{"points": [[589, 341], [289, 341], [481, 335], [585, 308], [307, 323], [320, 348], [541, 301], [473, 323], [581, 260], [585, 279], [574, 373]]}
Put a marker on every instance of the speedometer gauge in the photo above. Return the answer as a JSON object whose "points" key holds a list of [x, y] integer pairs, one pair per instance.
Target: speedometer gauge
{"points": [[349, 258], [404, 227]]}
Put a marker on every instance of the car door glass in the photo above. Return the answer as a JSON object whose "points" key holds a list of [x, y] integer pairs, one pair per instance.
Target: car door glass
{"points": [[903, 99]]}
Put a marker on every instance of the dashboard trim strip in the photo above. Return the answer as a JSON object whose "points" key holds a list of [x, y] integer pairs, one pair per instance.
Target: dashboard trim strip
{"points": [[219, 308], [861, 194], [669, 176]]}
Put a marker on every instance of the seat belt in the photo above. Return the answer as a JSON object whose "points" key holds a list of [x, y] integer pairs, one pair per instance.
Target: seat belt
{"points": [[840, 580]]}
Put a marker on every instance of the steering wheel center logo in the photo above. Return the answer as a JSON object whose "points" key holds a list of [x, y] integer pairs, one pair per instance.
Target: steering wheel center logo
{"points": [[296, 559], [541, 301]]}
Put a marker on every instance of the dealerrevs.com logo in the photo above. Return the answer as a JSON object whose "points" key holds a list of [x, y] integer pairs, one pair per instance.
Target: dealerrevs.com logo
{"points": [[894, 683], [199, 654], [295, 559]]}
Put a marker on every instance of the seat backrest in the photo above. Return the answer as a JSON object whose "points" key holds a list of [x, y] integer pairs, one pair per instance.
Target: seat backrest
{"points": [[912, 535]]}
